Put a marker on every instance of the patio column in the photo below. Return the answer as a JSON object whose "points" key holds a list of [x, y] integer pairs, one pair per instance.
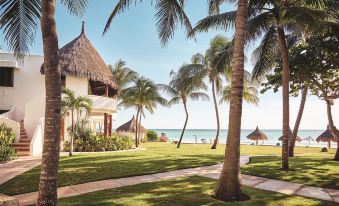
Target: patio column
{"points": [[105, 124], [110, 125], [106, 91]]}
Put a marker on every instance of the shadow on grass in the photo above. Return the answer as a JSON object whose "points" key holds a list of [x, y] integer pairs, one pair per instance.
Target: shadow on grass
{"points": [[190, 191], [309, 170]]}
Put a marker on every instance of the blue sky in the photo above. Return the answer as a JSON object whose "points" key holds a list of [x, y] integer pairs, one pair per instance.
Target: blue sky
{"points": [[133, 38]]}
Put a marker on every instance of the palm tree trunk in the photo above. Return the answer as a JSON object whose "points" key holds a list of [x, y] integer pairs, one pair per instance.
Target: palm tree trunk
{"points": [[333, 129], [214, 146], [51, 146], [139, 133], [285, 94], [229, 183], [183, 129], [297, 122], [71, 143], [136, 128]]}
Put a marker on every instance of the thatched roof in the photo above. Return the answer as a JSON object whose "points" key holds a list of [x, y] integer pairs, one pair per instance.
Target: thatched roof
{"points": [[80, 59], [326, 136], [257, 135], [299, 139], [130, 126]]}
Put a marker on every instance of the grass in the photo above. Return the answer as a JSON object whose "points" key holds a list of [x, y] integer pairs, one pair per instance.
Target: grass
{"points": [[315, 170], [190, 191], [159, 157]]}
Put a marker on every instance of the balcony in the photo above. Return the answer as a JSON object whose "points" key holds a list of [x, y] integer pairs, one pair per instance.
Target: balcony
{"points": [[103, 104]]}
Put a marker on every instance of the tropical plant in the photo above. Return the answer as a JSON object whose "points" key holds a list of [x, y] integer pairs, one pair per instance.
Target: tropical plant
{"points": [[7, 138], [152, 136], [209, 65], [142, 95], [122, 74], [270, 20], [76, 106], [185, 84], [250, 92], [19, 21]]}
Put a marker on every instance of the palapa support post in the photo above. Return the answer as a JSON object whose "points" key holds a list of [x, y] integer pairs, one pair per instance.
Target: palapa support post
{"points": [[105, 124], [106, 91]]}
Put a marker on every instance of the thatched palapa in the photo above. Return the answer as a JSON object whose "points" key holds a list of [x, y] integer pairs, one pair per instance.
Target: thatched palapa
{"points": [[130, 126], [326, 136], [297, 138], [79, 58], [257, 135]]}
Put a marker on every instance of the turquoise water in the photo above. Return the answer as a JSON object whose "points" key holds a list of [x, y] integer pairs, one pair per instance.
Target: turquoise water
{"points": [[192, 135]]}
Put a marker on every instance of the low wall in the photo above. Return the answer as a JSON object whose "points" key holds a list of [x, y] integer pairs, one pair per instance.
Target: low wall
{"points": [[34, 110], [37, 139]]}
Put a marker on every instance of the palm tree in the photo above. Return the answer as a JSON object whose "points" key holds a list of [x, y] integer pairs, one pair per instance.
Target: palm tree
{"points": [[271, 19], [76, 105], [207, 64], [250, 93], [122, 74], [186, 84], [144, 94], [19, 21]]}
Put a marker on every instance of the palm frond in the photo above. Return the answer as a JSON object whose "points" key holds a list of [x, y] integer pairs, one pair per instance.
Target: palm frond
{"points": [[75, 7], [199, 96], [168, 14], [219, 21], [19, 21]]}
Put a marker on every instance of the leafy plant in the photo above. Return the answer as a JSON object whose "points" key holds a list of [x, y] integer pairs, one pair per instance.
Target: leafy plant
{"points": [[7, 137], [152, 136]]}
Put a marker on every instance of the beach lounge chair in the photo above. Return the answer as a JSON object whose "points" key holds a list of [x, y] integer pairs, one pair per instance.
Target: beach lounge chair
{"points": [[204, 141]]}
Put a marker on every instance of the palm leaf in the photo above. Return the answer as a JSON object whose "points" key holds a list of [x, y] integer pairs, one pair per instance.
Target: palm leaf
{"points": [[75, 7]]}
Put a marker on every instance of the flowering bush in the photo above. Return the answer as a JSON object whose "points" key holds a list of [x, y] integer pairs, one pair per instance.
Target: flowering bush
{"points": [[7, 137]]}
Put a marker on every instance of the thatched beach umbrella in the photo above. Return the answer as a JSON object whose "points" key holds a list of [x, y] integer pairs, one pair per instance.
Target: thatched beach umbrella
{"points": [[309, 139], [326, 136], [257, 135], [297, 138], [129, 128], [79, 58]]}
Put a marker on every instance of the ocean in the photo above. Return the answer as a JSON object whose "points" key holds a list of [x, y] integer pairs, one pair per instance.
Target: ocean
{"points": [[193, 135]]}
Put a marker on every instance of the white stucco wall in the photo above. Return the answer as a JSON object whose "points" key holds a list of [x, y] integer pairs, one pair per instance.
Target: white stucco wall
{"points": [[78, 85], [28, 84]]}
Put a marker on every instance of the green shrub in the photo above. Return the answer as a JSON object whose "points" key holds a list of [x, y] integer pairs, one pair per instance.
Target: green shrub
{"points": [[7, 137], [152, 136], [6, 153]]}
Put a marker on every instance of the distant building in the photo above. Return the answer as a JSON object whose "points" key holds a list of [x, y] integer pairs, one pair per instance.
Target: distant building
{"points": [[22, 92]]}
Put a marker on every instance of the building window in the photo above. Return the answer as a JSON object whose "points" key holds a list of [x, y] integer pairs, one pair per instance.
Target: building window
{"points": [[6, 77]]}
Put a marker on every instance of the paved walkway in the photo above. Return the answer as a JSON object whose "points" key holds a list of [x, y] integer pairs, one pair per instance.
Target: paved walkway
{"points": [[207, 171], [16, 167]]}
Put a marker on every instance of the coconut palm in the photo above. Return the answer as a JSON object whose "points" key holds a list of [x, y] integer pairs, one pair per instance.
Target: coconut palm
{"points": [[208, 65], [75, 105], [122, 74], [186, 84], [270, 20], [142, 95], [19, 21]]}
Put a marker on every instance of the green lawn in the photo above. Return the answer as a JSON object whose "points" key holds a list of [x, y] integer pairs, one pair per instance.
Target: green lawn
{"points": [[159, 157], [316, 170], [190, 191]]}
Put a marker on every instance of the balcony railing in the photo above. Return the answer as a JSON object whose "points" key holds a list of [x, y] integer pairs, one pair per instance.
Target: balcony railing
{"points": [[103, 103]]}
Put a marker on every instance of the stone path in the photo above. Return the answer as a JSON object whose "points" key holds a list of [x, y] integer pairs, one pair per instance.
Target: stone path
{"points": [[16, 167], [207, 171]]}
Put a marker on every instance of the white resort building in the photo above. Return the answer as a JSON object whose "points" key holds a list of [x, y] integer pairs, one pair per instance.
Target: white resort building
{"points": [[22, 92]]}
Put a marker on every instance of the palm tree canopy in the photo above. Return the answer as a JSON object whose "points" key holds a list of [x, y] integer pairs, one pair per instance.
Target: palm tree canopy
{"points": [[264, 19], [144, 94], [70, 102], [19, 21], [122, 73], [168, 14]]}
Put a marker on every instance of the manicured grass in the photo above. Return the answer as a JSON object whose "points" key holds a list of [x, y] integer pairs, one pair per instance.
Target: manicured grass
{"points": [[190, 191], [159, 157], [315, 170]]}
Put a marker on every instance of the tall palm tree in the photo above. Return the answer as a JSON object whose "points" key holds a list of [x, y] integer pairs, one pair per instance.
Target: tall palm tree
{"points": [[271, 19], [207, 64], [186, 84], [122, 74], [76, 105], [250, 93], [19, 21], [144, 94]]}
